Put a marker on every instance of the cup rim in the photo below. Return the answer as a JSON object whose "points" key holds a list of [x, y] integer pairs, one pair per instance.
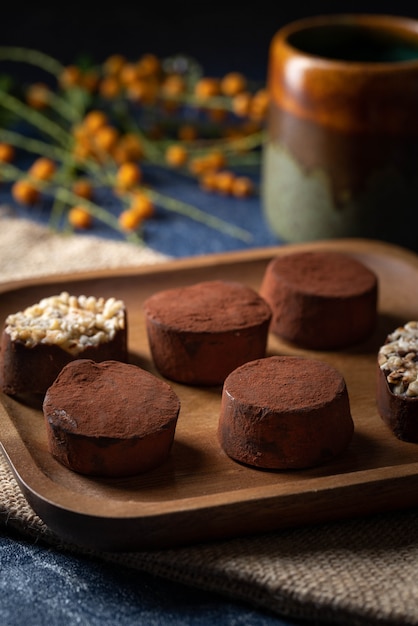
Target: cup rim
{"points": [[395, 24]]}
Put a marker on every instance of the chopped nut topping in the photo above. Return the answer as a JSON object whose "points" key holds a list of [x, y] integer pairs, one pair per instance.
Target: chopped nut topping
{"points": [[72, 322], [398, 359]]}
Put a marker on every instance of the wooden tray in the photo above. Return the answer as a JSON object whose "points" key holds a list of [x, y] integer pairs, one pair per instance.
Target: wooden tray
{"points": [[200, 494]]}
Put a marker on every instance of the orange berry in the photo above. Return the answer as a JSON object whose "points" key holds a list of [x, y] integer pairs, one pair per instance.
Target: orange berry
{"points": [[173, 85], [212, 161], [25, 193], [143, 91], [142, 205], [83, 188], [207, 181], [132, 143], [259, 104], [215, 160], [128, 148], [233, 83], [80, 218], [38, 95], [128, 74], [198, 165], [216, 114], [251, 126], [7, 152], [113, 64], [236, 134], [149, 65], [207, 87], [241, 104], [128, 175], [42, 168], [242, 187], [82, 150], [105, 138], [224, 182], [109, 87], [187, 132], [90, 80], [129, 220], [94, 120], [176, 155], [70, 76]]}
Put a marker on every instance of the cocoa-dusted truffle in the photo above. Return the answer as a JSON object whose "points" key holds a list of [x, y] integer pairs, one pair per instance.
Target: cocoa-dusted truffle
{"points": [[397, 382], [110, 418], [198, 334], [285, 412], [321, 300], [40, 340]]}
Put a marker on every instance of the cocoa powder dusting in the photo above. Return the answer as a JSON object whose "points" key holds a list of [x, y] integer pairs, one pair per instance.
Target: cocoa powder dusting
{"points": [[324, 273], [286, 383], [109, 399], [211, 306]]}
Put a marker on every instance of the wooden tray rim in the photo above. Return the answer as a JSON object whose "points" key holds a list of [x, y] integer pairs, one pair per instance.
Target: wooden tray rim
{"points": [[36, 484]]}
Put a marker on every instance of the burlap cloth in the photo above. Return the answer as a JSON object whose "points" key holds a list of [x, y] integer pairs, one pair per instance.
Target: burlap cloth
{"points": [[354, 572]]}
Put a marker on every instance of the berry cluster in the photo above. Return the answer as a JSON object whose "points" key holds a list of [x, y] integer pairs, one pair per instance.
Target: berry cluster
{"points": [[99, 125]]}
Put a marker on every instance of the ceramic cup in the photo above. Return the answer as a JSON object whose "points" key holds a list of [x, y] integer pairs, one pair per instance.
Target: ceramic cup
{"points": [[341, 153]]}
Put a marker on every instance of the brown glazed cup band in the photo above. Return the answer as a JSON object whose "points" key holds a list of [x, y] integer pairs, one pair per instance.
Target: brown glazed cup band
{"points": [[352, 94]]}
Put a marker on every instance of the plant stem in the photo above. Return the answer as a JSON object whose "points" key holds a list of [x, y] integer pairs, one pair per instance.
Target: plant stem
{"points": [[192, 212], [171, 204], [35, 118], [51, 151], [29, 144], [32, 57]]}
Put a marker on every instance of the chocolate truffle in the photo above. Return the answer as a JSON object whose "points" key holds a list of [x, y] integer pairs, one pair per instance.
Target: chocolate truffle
{"points": [[40, 340], [397, 382], [285, 412], [198, 334], [110, 419], [321, 300]]}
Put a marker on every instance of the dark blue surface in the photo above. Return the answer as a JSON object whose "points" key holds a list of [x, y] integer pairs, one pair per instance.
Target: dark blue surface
{"points": [[40, 586], [169, 232], [181, 236]]}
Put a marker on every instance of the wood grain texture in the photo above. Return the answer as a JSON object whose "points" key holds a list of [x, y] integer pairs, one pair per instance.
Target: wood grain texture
{"points": [[200, 494]]}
